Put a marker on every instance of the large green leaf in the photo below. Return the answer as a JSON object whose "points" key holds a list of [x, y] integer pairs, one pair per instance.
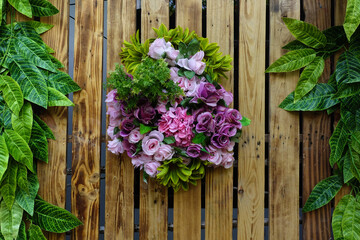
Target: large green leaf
{"points": [[56, 98], [43, 8], [10, 220], [351, 220], [354, 47], [347, 69], [62, 82], [318, 99], [22, 179], [8, 184], [31, 81], [295, 45], [347, 167], [35, 233], [23, 6], [12, 93], [338, 215], [19, 149], [40, 27], [38, 143], [293, 60], [323, 192], [338, 141], [306, 33], [26, 29], [22, 124], [26, 199], [347, 90], [355, 158], [30, 50], [48, 133], [352, 17], [4, 156], [52, 218], [335, 36], [22, 232], [5, 116], [309, 78], [2, 6]]}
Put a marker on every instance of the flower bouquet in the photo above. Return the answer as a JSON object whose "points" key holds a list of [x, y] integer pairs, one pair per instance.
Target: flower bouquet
{"points": [[168, 112]]}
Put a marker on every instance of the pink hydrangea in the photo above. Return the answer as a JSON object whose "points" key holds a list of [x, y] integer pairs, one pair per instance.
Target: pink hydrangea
{"points": [[177, 123]]}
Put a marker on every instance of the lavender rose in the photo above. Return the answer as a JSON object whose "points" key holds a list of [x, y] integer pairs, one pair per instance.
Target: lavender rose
{"points": [[195, 63], [205, 123], [194, 150], [208, 94], [220, 141], [145, 113], [165, 152], [219, 119], [151, 168], [228, 129]]}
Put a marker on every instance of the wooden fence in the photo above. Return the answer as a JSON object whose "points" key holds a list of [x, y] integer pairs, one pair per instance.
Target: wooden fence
{"points": [[281, 156]]}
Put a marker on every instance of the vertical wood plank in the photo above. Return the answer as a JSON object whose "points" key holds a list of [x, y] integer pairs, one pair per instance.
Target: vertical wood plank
{"points": [[188, 203], [85, 182], [316, 132], [153, 197], [52, 176], [251, 164], [284, 131], [119, 198], [219, 181]]}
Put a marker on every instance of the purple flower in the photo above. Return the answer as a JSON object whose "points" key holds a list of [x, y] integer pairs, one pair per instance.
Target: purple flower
{"points": [[126, 127], [205, 123], [194, 150], [228, 129], [233, 116], [219, 119], [145, 113], [220, 141], [227, 96], [208, 94], [195, 63]]}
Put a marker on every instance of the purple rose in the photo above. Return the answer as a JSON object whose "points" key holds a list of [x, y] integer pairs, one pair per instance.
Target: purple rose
{"points": [[227, 96], [126, 127], [219, 119], [220, 141], [233, 116], [194, 150], [145, 113], [228, 129], [205, 123], [151, 168], [208, 94]]}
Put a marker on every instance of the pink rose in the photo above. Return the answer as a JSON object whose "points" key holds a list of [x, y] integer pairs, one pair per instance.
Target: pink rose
{"points": [[135, 136], [171, 53], [174, 73], [140, 159], [184, 63], [165, 152], [151, 168], [115, 146], [151, 143], [195, 63], [157, 48], [231, 146], [215, 158], [111, 96], [110, 132], [115, 121], [227, 160], [161, 107]]}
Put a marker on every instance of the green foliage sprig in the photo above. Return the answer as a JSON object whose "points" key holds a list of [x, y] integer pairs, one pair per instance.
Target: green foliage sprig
{"points": [[342, 91], [30, 79]]}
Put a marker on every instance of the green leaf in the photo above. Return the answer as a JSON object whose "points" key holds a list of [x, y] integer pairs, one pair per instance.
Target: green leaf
{"points": [[2, 8], [31, 81], [352, 17], [12, 93], [347, 167], [338, 141], [351, 220], [145, 129], [306, 33], [38, 143], [48, 132], [10, 220], [318, 99], [56, 98], [338, 216], [293, 60], [19, 149], [40, 27], [309, 78], [23, 6], [347, 90], [35, 233], [189, 74], [347, 69], [62, 82], [169, 140], [52, 218], [323, 192], [245, 121], [4, 156], [295, 45], [43, 8], [26, 199], [8, 184], [22, 232], [22, 124], [199, 138], [335, 37]]}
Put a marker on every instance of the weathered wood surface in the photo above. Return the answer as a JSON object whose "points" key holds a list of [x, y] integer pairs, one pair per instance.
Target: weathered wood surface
{"points": [[85, 182], [187, 204], [316, 132], [153, 197], [119, 198], [251, 161], [284, 131], [219, 181], [52, 176]]}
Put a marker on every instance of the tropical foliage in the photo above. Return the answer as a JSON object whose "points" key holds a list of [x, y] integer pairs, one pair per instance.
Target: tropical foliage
{"points": [[341, 93], [30, 81]]}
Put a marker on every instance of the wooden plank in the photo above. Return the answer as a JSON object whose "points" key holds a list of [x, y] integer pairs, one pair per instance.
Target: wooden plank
{"points": [[119, 198], [188, 203], [316, 132], [219, 181], [251, 161], [284, 131], [85, 182], [153, 197], [52, 176]]}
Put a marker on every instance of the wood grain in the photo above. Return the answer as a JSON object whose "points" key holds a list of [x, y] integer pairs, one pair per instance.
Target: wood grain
{"points": [[316, 132], [251, 161], [219, 181], [85, 182], [284, 131], [52, 176], [119, 198], [153, 197], [188, 203]]}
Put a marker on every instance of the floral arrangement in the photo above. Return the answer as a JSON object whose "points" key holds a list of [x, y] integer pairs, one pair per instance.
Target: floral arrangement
{"points": [[169, 113]]}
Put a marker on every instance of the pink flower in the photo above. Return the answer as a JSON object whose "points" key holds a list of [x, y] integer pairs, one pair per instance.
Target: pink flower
{"points": [[159, 49], [215, 158], [111, 96], [115, 146], [161, 107], [135, 136], [151, 168], [165, 152], [110, 133], [140, 159], [184, 63], [227, 160], [151, 143], [195, 63], [115, 121], [231, 146], [174, 73]]}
